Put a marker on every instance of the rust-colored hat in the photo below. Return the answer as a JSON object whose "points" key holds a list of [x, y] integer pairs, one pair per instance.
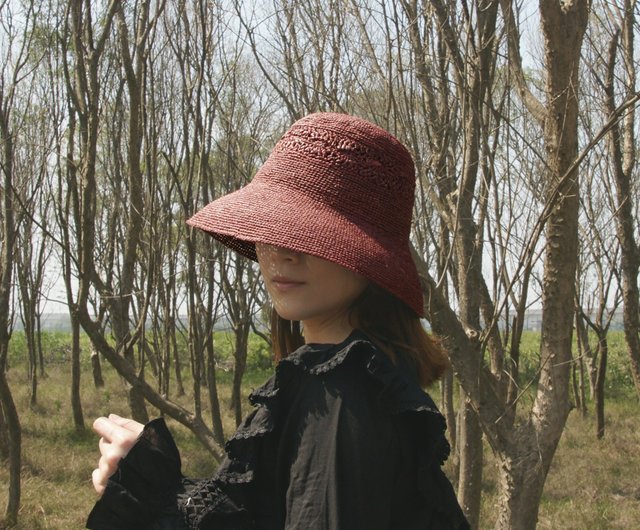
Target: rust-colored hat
{"points": [[336, 187]]}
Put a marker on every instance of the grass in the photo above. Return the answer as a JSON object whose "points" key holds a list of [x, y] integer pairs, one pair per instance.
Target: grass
{"points": [[592, 485]]}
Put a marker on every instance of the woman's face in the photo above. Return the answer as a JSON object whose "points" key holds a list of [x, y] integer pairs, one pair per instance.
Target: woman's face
{"points": [[316, 292]]}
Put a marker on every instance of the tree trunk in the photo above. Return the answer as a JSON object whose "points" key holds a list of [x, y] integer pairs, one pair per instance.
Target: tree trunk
{"points": [[176, 366], [76, 402], [39, 344], [471, 461], [214, 402], [137, 405], [4, 437], [146, 350], [623, 150], [578, 371], [165, 332], [521, 481], [525, 460], [603, 348], [448, 409], [122, 334], [240, 356], [196, 349], [96, 370], [582, 337], [14, 432], [576, 381], [7, 247], [513, 366], [33, 363], [581, 387]]}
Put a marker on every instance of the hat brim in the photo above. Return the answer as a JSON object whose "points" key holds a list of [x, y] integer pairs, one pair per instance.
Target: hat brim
{"points": [[262, 213]]}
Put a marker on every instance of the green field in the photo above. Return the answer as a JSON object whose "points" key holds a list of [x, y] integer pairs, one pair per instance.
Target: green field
{"points": [[593, 484]]}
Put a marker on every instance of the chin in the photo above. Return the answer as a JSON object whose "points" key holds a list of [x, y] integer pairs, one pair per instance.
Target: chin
{"points": [[287, 315]]}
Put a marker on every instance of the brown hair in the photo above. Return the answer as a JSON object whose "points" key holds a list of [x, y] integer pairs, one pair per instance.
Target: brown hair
{"points": [[390, 324]]}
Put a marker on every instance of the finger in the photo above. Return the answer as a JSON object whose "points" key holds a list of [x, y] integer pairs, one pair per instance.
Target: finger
{"points": [[113, 450], [127, 423], [108, 464], [99, 484], [104, 427], [98, 423], [100, 475], [116, 434]]}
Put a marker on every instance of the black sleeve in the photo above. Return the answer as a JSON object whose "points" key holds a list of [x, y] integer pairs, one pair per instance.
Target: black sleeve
{"points": [[144, 488], [148, 491], [362, 460]]}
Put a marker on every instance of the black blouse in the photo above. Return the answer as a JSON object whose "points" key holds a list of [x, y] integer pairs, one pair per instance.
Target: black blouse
{"points": [[340, 439]]}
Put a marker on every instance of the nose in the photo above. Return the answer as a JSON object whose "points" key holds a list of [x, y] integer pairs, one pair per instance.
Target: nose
{"points": [[287, 254]]}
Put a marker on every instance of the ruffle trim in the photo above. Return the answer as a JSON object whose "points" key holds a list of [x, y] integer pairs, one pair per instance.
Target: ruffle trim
{"points": [[402, 395]]}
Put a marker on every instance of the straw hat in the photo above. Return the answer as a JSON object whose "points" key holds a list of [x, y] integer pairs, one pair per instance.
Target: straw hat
{"points": [[337, 187]]}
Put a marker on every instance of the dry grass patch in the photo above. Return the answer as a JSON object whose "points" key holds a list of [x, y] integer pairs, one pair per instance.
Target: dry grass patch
{"points": [[592, 484]]}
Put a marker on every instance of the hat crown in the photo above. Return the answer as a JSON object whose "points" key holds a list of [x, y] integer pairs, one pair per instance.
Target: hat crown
{"points": [[349, 165]]}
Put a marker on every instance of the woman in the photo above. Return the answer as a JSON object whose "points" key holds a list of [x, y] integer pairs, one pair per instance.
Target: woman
{"points": [[342, 436]]}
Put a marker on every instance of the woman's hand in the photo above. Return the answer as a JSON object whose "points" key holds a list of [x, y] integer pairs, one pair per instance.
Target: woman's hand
{"points": [[117, 437]]}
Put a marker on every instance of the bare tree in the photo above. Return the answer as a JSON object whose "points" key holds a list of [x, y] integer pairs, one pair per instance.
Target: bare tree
{"points": [[623, 159], [17, 36], [598, 287], [79, 193], [32, 252], [238, 155], [88, 67], [526, 452], [196, 33], [304, 52], [472, 71], [33, 196], [9, 411]]}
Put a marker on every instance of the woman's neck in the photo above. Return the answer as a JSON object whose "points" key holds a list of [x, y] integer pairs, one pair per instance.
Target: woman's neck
{"points": [[332, 331]]}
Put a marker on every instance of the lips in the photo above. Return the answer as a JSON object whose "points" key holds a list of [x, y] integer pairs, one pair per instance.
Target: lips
{"points": [[284, 283]]}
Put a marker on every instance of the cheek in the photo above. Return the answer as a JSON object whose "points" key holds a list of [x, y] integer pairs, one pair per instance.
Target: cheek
{"points": [[266, 268], [264, 263], [268, 265], [354, 283], [348, 286]]}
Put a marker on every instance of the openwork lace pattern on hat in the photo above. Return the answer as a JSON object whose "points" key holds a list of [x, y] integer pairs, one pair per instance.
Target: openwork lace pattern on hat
{"points": [[361, 163]]}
